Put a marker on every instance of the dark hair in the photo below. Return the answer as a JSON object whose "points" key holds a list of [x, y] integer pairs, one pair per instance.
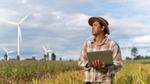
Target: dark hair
{"points": [[105, 30]]}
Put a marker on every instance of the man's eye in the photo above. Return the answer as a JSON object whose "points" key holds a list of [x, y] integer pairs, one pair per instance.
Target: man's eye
{"points": [[95, 25]]}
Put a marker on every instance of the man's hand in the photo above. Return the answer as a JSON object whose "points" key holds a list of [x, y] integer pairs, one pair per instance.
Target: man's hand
{"points": [[98, 64]]}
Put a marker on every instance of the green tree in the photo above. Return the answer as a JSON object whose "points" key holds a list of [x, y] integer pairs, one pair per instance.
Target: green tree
{"points": [[134, 51], [128, 58], [53, 57]]}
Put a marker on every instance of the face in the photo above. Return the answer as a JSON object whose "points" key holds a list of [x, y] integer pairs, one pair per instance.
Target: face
{"points": [[97, 28]]}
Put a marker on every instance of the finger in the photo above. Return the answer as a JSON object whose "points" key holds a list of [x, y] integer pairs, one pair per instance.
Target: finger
{"points": [[103, 64], [95, 62], [98, 63]]}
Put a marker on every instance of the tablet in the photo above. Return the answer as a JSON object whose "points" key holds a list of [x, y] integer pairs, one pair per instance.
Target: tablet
{"points": [[103, 56]]}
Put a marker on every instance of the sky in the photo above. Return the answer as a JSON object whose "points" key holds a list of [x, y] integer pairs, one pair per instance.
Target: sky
{"points": [[61, 25]]}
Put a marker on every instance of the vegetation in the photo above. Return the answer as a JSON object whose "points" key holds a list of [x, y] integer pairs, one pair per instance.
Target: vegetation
{"points": [[11, 71], [136, 56], [134, 51], [67, 72]]}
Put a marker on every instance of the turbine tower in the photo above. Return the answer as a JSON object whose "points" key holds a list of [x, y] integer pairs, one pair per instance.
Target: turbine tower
{"points": [[19, 36]]}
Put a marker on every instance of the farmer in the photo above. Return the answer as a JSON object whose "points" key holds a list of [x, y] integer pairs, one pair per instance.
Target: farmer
{"points": [[99, 72]]}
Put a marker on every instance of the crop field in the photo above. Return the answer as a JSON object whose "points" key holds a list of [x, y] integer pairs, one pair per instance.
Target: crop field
{"points": [[66, 72]]}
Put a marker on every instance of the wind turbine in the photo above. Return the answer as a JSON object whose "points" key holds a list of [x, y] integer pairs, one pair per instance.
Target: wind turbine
{"points": [[19, 36], [46, 53], [6, 54]]}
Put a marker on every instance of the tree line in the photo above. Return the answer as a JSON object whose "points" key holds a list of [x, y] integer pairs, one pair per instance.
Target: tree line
{"points": [[136, 56]]}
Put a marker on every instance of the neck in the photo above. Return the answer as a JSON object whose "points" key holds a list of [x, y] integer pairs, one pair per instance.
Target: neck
{"points": [[99, 38]]}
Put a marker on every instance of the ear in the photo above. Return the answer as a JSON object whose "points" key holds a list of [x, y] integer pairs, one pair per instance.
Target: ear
{"points": [[102, 28]]}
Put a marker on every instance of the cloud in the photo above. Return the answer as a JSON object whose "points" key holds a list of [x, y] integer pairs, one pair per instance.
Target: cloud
{"points": [[140, 4], [54, 29], [77, 20], [123, 28], [135, 5], [142, 39], [24, 1], [62, 25]]}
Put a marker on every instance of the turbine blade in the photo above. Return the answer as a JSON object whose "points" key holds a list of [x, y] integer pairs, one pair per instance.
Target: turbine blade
{"points": [[5, 50], [10, 51], [45, 50], [7, 21], [24, 18]]}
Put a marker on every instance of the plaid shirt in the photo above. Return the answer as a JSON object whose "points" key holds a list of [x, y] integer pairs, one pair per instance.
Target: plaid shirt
{"points": [[93, 75]]}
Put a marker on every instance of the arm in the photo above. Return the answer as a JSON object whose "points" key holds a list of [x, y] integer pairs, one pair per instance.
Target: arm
{"points": [[117, 59], [83, 61]]}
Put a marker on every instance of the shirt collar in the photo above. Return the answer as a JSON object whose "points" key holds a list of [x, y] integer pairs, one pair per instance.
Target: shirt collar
{"points": [[105, 40]]}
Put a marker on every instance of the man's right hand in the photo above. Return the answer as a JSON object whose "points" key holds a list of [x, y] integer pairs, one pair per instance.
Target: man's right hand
{"points": [[101, 66], [98, 64]]}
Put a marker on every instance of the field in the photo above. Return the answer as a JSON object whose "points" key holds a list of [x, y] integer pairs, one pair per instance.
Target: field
{"points": [[66, 72]]}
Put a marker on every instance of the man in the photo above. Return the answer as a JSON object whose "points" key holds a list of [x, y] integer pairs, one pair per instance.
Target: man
{"points": [[99, 72]]}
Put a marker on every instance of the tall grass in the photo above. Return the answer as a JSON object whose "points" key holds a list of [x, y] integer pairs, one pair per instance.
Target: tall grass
{"points": [[136, 73], [70, 77], [16, 71], [66, 72]]}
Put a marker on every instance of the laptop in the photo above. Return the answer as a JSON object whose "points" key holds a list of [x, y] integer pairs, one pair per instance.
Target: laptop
{"points": [[103, 56]]}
